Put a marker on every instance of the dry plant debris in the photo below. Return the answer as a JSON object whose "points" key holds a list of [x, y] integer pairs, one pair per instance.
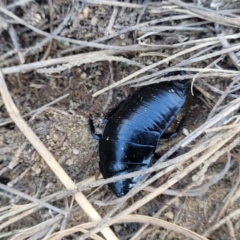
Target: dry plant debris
{"points": [[61, 61]]}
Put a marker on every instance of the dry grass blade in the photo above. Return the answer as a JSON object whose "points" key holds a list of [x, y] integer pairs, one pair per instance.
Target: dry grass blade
{"points": [[138, 219], [220, 100], [196, 191], [37, 110], [51, 62], [207, 14], [90, 60], [141, 232], [191, 167], [48, 157], [114, 3], [30, 198], [31, 231], [59, 38], [234, 214], [152, 66], [84, 58], [232, 56], [231, 230]]}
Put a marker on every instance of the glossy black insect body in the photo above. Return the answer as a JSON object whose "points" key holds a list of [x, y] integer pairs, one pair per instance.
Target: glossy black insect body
{"points": [[133, 131]]}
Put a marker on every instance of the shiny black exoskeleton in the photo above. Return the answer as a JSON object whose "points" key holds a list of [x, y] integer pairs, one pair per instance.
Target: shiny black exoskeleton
{"points": [[133, 130]]}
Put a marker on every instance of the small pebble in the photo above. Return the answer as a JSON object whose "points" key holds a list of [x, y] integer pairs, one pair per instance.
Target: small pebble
{"points": [[49, 185], [84, 76], [75, 151], [94, 21], [98, 73], [122, 36], [169, 215], [69, 162], [86, 12], [185, 132], [81, 17]]}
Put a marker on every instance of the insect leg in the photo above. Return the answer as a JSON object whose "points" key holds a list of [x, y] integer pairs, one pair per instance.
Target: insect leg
{"points": [[175, 133], [92, 130], [156, 156], [4, 180]]}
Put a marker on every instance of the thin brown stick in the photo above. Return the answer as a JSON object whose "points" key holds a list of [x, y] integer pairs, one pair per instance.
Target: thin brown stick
{"points": [[7, 54], [216, 129], [73, 58], [216, 90], [37, 110], [227, 200], [220, 100], [183, 77], [204, 13], [129, 29], [17, 218], [16, 43], [30, 231], [87, 60], [48, 157], [134, 218], [48, 50], [141, 232], [151, 67], [58, 30], [18, 3], [196, 191], [111, 21], [232, 55], [231, 230], [235, 47], [224, 220], [172, 181], [79, 42], [30, 198], [19, 177], [114, 3]]}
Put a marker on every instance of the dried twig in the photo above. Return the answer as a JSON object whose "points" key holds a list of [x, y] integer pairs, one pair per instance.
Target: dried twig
{"points": [[45, 55], [207, 14], [16, 43], [172, 181], [111, 21], [220, 100], [151, 67], [114, 3], [129, 29], [58, 30], [18, 3], [51, 36], [231, 230], [30, 198], [134, 218], [85, 58], [224, 220], [41, 109], [232, 55], [30, 231], [142, 231], [48, 157]]}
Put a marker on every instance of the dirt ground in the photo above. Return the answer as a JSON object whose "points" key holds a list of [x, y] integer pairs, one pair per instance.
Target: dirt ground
{"points": [[63, 126]]}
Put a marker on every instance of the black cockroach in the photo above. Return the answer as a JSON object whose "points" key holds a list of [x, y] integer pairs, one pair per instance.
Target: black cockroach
{"points": [[132, 131]]}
